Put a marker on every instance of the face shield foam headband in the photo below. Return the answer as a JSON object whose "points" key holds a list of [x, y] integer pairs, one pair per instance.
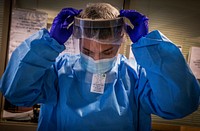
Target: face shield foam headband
{"points": [[105, 31]]}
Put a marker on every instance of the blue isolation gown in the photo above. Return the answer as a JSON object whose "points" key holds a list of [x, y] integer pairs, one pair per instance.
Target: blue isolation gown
{"points": [[160, 83]]}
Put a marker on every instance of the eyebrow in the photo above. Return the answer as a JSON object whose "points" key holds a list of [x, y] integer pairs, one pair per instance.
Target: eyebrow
{"points": [[101, 52], [87, 50], [108, 49]]}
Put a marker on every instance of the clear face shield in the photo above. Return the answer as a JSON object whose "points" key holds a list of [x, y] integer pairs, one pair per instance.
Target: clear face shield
{"points": [[99, 42]]}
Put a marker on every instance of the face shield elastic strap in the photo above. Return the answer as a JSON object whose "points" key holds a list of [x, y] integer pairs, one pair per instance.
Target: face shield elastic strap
{"points": [[105, 31]]}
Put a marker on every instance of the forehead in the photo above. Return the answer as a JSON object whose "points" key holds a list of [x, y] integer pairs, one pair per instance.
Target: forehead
{"points": [[93, 44]]}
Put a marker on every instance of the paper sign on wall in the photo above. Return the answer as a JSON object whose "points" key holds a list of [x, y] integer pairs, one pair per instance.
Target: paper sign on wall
{"points": [[194, 61], [24, 23]]}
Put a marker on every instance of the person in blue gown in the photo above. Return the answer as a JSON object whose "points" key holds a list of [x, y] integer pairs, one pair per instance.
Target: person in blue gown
{"points": [[99, 89]]}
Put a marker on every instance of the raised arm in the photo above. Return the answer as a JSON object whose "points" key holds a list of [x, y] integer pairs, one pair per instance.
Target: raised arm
{"points": [[25, 81], [30, 76], [166, 85]]}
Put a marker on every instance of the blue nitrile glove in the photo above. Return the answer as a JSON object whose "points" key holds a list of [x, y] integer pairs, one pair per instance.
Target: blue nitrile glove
{"points": [[60, 30], [139, 21]]}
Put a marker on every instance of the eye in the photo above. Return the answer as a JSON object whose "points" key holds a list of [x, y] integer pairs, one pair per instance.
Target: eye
{"points": [[86, 52]]}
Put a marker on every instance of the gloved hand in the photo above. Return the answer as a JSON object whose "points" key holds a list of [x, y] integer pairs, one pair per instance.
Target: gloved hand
{"points": [[60, 30], [139, 21]]}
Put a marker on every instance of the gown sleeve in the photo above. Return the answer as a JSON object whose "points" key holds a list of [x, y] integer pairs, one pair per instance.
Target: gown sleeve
{"points": [[30, 76], [166, 86]]}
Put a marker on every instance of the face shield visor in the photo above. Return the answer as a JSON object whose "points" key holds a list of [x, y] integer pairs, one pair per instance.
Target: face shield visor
{"points": [[109, 31], [99, 42]]}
